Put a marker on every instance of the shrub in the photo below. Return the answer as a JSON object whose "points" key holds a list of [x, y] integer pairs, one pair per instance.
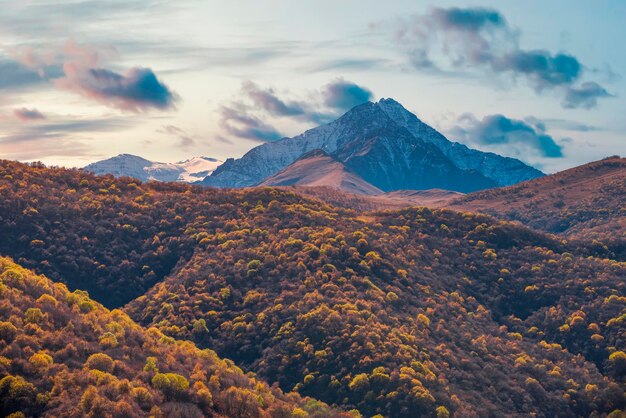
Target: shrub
{"points": [[100, 361], [143, 397], [40, 360], [442, 412], [16, 393], [7, 331], [33, 315]]}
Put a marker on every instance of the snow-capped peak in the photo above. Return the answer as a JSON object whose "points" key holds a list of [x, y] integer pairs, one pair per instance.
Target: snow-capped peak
{"points": [[351, 136], [191, 170]]}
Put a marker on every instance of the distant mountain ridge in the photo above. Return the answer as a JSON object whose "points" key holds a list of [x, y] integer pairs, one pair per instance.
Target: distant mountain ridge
{"points": [[385, 145], [191, 170]]}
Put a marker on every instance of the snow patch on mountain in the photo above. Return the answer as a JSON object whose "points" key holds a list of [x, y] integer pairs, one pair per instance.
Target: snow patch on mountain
{"points": [[191, 170]]}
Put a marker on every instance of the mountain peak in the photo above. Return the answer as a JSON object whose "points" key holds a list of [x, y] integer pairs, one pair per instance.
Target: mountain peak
{"points": [[385, 144], [130, 157], [317, 152], [388, 101]]}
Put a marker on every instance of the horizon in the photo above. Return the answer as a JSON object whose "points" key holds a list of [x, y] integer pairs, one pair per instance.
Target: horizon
{"points": [[84, 81]]}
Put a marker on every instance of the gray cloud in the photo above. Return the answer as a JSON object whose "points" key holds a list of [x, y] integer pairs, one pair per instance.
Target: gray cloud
{"points": [[15, 76], [83, 73], [542, 69], [138, 89], [267, 101], [62, 128], [344, 95], [471, 19], [585, 96], [480, 39], [238, 122], [245, 117], [59, 137], [499, 132], [27, 115]]}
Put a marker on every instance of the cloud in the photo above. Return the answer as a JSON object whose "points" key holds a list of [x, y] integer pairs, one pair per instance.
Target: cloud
{"points": [[570, 125], [83, 72], [27, 115], [541, 68], [478, 39], [585, 96], [358, 64], [344, 95], [240, 123], [185, 140], [471, 19], [247, 115], [137, 90], [58, 137], [269, 101], [507, 136], [15, 76]]}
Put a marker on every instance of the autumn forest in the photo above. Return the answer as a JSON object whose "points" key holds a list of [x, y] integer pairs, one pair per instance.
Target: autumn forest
{"points": [[123, 298]]}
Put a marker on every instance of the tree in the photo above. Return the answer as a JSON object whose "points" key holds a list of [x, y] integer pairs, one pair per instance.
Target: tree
{"points": [[173, 386]]}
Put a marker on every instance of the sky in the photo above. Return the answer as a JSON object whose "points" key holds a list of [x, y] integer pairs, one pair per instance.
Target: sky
{"points": [[84, 80]]}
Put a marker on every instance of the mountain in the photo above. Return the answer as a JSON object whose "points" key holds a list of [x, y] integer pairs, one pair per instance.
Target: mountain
{"points": [[64, 355], [403, 313], [191, 170], [385, 145], [317, 168]]}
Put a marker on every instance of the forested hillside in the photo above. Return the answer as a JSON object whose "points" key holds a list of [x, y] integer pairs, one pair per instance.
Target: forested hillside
{"points": [[416, 312], [64, 355], [403, 312]]}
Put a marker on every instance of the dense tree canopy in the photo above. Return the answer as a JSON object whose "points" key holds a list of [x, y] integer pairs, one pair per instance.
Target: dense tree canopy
{"points": [[54, 364], [414, 312]]}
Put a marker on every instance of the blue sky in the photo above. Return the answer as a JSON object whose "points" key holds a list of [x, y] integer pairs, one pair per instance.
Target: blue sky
{"points": [[83, 80]]}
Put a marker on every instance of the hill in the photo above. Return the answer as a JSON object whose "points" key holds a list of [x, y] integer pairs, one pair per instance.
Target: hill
{"points": [[400, 313], [65, 355], [317, 169], [585, 202], [386, 146], [398, 199]]}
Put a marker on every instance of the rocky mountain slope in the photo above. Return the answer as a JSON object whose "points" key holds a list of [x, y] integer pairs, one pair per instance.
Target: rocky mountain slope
{"points": [[192, 170], [385, 145]]}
